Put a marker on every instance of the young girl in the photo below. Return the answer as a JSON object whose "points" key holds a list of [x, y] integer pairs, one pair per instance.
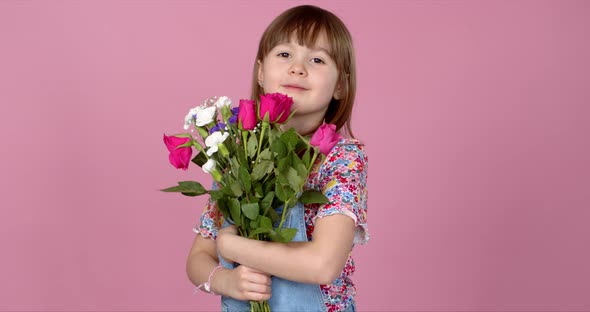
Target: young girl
{"points": [[307, 54]]}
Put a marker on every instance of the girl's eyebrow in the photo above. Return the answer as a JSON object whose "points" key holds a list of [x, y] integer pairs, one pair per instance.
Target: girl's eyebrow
{"points": [[321, 49], [314, 49]]}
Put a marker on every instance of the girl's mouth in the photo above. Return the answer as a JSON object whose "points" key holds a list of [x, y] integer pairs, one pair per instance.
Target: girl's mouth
{"points": [[294, 88]]}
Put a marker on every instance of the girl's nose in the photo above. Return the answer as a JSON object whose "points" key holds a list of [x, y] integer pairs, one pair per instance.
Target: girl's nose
{"points": [[297, 69]]}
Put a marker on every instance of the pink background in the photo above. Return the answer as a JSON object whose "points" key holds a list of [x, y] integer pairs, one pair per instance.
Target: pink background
{"points": [[475, 116]]}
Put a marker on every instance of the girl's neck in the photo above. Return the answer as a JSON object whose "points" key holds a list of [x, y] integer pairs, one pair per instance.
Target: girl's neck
{"points": [[304, 125]]}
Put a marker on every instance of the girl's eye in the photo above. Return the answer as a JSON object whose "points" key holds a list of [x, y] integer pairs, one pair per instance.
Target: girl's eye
{"points": [[283, 54], [317, 60]]}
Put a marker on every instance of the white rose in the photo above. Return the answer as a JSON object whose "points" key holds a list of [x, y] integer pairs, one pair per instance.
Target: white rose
{"points": [[188, 119], [213, 140], [205, 115], [222, 101], [209, 165]]}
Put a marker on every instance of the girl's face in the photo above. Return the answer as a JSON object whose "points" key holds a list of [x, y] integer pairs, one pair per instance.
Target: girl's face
{"points": [[307, 74]]}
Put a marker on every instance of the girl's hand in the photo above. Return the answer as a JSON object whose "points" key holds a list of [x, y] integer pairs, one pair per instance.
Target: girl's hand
{"points": [[243, 283]]}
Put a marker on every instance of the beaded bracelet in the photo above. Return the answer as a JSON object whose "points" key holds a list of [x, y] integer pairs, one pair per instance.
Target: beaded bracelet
{"points": [[207, 285]]}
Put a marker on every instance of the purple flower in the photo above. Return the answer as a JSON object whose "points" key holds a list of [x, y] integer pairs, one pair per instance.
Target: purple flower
{"points": [[235, 111], [233, 119], [217, 127]]}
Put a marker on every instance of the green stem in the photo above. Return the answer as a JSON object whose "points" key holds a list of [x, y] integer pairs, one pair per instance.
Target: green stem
{"points": [[285, 206], [304, 139], [264, 126], [315, 155], [245, 142]]}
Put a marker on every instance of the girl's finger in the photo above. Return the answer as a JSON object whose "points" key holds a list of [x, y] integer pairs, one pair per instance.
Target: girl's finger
{"points": [[259, 288], [259, 278], [257, 296], [253, 270]]}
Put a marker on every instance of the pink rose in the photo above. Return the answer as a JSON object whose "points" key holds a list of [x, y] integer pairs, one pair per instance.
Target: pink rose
{"points": [[179, 157], [325, 137], [277, 105], [247, 114]]}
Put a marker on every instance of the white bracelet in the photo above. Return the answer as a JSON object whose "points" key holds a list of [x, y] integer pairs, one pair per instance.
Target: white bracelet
{"points": [[207, 285]]}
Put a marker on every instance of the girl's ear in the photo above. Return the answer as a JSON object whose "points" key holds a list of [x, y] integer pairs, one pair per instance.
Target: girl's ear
{"points": [[339, 90], [260, 73]]}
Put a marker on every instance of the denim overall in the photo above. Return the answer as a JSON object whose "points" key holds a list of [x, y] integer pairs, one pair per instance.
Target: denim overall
{"points": [[286, 295]]}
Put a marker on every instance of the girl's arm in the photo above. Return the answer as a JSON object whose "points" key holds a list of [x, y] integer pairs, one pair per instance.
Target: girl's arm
{"points": [[319, 261], [243, 283]]}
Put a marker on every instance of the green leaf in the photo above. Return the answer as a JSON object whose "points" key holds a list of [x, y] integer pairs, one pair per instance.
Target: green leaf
{"points": [[188, 188], [250, 210], [282, 166], [302, 170], [252, 146], [266, 202], [200, 159], [244, 178], [269, 186], [259, 231], [288, 234], [236, 188], [222, 206], [261, 169], [297, 163], [283, 235], [274, 216], [280, 191], [216, 195], [294, 179], [306, 157], [290, 138], [258, 190], [301, 145], [234, 210], [283, 192], [183, 135], [279, 148], [242, 157], [203, 132], [266, 223], [234, 166], [265, 154], [227, 191], [187, 144], [254, 224], [274, 236], [313, 197]]}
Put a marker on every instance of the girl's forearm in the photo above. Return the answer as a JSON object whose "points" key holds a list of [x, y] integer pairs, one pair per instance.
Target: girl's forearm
{"points": [[297, 261], [198, 267]]}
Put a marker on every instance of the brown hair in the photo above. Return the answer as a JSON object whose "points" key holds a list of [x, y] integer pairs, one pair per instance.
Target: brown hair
{"points": [[306, 23]]}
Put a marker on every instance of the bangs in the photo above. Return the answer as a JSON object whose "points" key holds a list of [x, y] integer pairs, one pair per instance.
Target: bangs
{"points": [[304, 29]]}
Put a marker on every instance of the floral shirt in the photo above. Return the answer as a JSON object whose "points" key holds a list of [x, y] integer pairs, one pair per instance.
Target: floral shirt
{"points": [[343, 179]]}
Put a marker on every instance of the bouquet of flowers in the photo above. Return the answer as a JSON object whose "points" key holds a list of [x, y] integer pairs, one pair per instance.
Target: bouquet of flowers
{"points": [[256, 166]]}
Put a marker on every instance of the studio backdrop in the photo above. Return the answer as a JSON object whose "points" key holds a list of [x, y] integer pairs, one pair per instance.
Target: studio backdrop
{"points": [[474, 115]]}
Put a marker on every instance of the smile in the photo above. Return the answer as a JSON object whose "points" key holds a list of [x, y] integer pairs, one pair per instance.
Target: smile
{"points": [[294, 88]]}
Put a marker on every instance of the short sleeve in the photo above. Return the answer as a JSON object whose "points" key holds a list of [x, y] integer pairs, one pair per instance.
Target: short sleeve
{"points": [[343, 179], [210, 221]]}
